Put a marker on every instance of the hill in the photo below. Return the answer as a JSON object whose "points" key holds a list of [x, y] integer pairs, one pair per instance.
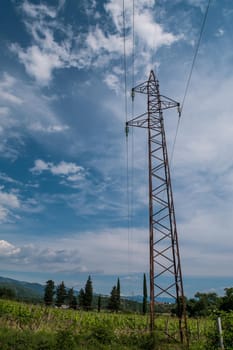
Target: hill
{"points": [[24, 291]]}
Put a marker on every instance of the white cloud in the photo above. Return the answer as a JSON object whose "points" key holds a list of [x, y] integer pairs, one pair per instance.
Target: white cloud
{"points": [[64, 168], [9, 200], [98, 47], [151, 33], [70, 171], [9, 203], [40, 166], [98, 41], [37, 63], [50, 129], [69, 254], [7, 249], [35, 11]]}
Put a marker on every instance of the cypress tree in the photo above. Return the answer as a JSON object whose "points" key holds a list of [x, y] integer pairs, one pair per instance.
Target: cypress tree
{"points": [[113, 300], [49, 293], [88, 294], [60, 294], [144, 303], [118, 294], [81, 298], [72, 301]]}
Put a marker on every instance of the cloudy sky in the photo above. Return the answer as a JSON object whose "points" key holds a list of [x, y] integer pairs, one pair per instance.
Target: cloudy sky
{"points": [[63, 174]]}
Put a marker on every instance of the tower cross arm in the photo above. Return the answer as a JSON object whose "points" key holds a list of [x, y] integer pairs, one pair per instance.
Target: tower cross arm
{"points": [[167, 102], [140, 121]]}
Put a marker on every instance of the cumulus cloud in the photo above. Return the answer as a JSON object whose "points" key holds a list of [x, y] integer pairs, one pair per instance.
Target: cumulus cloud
{"points": [[69, 254], [9, 203], [37, 63], [99, 46], [70, 171], [7, 249], [36, 257]]}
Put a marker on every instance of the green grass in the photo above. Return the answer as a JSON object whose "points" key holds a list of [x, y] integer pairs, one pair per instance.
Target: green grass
{"points": [[24, 326]]}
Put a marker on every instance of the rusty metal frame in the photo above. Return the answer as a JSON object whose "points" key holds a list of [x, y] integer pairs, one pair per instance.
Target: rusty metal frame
{"points": [[165, 265]]}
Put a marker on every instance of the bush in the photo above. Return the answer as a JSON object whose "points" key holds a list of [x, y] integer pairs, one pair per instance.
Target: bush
{"points": [[65, 340]]}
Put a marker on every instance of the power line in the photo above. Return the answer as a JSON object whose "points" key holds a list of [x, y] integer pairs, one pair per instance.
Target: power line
{"points": [[126, 130], [195, 54], [124, 61], [190, 74]]}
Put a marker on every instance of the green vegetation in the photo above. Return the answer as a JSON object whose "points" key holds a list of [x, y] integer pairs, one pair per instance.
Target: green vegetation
{"points": [[24, 326], [100, 322], [49, 293]]}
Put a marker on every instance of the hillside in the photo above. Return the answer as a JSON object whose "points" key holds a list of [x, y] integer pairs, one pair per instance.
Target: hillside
{"points": [[25, 291]]}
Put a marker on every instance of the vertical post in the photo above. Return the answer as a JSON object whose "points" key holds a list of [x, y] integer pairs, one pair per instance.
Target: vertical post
{"points": [[220, 333]]}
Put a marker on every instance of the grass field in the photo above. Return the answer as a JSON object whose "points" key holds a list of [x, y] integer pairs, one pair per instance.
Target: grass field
{"points": [[26, 327]]}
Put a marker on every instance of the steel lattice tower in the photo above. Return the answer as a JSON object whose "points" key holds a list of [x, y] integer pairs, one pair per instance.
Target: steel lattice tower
{"points": [[165, 265]]}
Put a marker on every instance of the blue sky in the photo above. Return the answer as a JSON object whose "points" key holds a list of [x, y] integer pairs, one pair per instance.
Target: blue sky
{"points": [[63, 188]]}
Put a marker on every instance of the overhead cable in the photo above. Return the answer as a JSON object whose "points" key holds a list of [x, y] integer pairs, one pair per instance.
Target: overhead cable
{"points": [[195, 54]]}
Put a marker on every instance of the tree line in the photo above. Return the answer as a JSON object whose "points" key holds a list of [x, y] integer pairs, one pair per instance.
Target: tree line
{"points": [[60, 296], [205, 304], [202, 304]]}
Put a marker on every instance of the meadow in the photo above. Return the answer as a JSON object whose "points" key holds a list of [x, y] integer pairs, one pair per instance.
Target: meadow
{"points": [[26, 327]]}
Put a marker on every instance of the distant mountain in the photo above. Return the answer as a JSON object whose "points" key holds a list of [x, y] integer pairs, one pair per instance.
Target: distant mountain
{"points": [[139, 299], [23, 290]]}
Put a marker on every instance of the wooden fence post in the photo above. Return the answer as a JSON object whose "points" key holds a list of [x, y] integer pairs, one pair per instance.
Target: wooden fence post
{"points": [[220, 333]]}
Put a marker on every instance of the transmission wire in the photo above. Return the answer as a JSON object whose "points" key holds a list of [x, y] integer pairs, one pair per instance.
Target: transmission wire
{"points": [[132, 129], [195, 54], [190, 75], [126, 119]]}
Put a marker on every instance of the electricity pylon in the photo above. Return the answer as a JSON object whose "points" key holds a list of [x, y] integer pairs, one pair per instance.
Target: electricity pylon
{"points": [[165, 265]]}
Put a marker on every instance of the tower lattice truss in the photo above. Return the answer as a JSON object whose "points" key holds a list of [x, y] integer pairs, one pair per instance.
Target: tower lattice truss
{"points": [[165, 265]]}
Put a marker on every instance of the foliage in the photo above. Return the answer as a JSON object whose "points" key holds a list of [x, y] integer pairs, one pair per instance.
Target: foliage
{"points": [[203, 304], [49, 292], [118, 294], [7, 293], [226, 303], [88, 294], [60, 294], [81, 298], [71, 299], [38, 327], [113, 303]]}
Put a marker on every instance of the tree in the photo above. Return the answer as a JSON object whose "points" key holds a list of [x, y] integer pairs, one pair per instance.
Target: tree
{"points": [[60, 294], [81, 298], [202, 305], [49, 293], [118, 294], [227, 301], [72, 301], [88, 294], [113, 300], [7, 293], [144, 303]]}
